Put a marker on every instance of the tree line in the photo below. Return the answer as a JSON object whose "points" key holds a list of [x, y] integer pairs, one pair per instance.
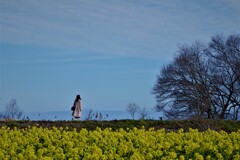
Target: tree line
{"points": [[203, 81], [11, 111]]}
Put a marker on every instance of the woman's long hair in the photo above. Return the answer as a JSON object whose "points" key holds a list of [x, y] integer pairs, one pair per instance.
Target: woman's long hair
{"points": [[78, 97]]}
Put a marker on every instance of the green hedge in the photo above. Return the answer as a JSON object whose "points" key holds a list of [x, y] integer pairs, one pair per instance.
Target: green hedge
{"points": [[200, 124]]}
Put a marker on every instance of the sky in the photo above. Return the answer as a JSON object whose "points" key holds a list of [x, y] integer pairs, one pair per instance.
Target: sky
{"points": [[108, 51]]}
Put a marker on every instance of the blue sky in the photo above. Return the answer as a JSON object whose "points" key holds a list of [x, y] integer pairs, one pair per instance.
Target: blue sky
{"points": [[109, 52]]}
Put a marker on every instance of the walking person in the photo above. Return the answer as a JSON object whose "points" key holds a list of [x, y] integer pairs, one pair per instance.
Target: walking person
{"points": [[77, 108]]}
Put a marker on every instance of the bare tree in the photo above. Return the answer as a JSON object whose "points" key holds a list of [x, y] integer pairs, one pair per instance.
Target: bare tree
{"points": [[12, 111], [1, 115], [132, 109], [182, 86], [143, 113], [89, 115], [202, 81], [224, 54], [96, 116]]}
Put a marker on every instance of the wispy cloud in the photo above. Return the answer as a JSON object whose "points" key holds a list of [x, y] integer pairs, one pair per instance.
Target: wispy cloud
{"points": [[143, 27], [55, 60]]}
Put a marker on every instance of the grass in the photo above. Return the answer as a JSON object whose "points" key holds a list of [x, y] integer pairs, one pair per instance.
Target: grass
{"points": [[200, 124]]}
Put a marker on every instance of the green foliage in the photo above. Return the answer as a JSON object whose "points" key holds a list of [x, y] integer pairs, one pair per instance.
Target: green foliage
{"points": [[200, 124]]}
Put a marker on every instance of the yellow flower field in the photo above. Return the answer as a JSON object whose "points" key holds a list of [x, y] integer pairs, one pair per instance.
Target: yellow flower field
{"points": [[42, 143]]}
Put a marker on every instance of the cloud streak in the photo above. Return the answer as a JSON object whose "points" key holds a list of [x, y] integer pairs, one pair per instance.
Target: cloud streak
{"points": [[137, 28]]}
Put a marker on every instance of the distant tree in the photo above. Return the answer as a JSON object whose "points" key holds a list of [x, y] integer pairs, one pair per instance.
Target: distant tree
{"points": [[132, 109], [96, 116], [143, 113], [202, 81], [12, 111], [89, 115], [1, 115]]}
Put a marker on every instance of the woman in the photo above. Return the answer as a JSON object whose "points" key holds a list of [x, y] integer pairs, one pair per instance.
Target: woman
{"points": [[77, 112]]}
